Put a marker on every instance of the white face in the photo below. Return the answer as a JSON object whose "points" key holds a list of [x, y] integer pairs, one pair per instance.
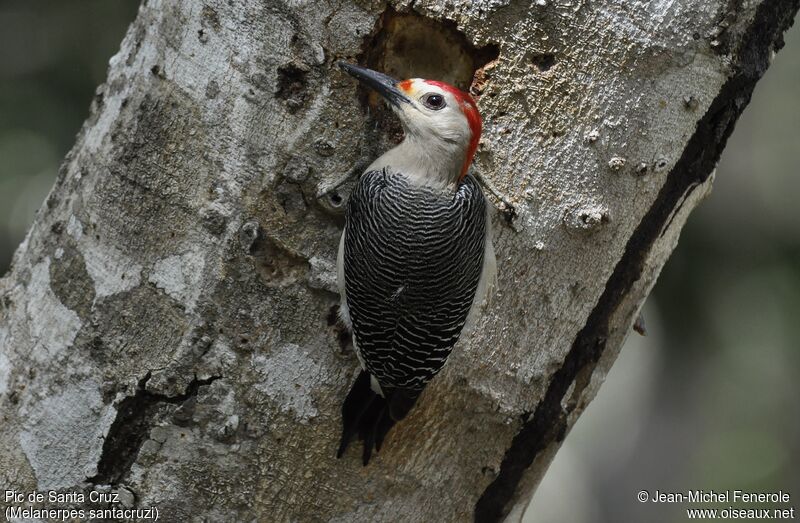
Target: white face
{"points": [[442, 127], [433, 113]]}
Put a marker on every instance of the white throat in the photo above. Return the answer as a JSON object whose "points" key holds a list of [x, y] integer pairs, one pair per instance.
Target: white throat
{"points": [[431, 161]]}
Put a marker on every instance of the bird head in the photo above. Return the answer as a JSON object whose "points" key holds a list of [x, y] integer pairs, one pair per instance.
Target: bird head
{"points": [[439, 120]]}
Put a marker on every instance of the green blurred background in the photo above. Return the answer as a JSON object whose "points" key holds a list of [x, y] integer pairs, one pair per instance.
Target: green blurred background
{"points": [[707, 400]]}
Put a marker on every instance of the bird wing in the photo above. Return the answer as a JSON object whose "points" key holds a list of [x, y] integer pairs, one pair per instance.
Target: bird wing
{"points": [[412, 260]]}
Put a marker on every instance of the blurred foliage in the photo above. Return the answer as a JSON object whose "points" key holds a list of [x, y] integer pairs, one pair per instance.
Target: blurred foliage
{"points": [[707, 401], [53, 54]]}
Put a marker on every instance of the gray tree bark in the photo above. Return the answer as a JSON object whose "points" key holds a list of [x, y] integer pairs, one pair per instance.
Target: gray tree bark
{"points": [[167, 330]]}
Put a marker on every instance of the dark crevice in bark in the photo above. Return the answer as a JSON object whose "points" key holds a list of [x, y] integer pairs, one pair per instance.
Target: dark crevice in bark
{"points": [[684, 198], [549, 421], [131, 427]]}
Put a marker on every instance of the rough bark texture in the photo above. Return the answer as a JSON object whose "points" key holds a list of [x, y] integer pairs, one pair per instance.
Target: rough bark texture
{"points": [[167, 329]]}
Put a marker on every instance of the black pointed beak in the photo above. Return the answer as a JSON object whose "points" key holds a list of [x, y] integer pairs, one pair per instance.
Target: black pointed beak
{"points": [[385, 85]]}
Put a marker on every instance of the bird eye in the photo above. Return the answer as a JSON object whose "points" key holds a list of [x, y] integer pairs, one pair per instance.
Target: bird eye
{"points": [[433, 101]]}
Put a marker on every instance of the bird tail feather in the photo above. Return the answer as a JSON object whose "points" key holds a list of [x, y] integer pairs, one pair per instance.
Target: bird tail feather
{"points": [[370, 415]]}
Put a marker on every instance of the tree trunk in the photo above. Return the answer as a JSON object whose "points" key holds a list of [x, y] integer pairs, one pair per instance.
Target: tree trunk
{"points": [[168, 326]]}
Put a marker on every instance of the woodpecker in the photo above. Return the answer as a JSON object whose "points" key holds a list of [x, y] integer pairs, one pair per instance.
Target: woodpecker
{"points": [[415, 257]]}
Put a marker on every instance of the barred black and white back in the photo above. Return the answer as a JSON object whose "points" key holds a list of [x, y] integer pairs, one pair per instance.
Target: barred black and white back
{"points": [[414, 264]]}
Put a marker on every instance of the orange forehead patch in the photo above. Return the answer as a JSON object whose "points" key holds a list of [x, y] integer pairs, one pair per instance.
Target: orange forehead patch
{"points": [[405, 85]]}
